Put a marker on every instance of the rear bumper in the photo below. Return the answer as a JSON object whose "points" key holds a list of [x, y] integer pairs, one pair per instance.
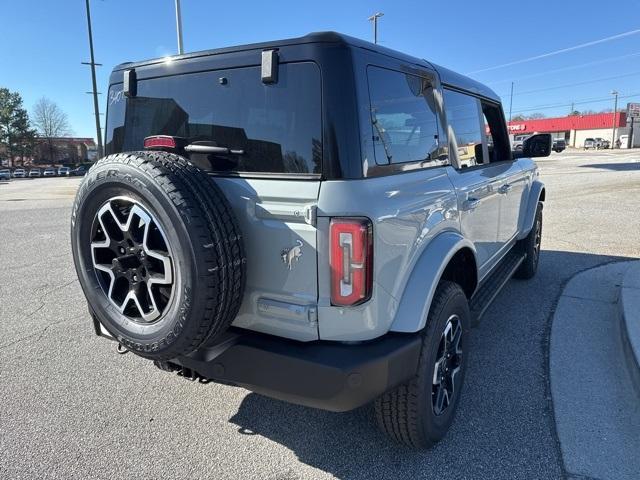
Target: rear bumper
{"points": [[330, 376]]}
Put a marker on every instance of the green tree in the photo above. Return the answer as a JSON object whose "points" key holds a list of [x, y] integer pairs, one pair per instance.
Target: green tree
{"points": [[17, 138]]}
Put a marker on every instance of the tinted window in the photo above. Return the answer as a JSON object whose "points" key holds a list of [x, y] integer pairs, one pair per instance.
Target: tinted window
{"points": [[463, 116], [277, 126], [403, 118]]}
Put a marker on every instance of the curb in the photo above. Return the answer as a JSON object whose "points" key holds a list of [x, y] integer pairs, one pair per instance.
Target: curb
{"points": [[629, 308]]}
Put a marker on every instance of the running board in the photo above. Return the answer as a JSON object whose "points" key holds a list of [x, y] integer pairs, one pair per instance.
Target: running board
{"points": [[492, 286]]}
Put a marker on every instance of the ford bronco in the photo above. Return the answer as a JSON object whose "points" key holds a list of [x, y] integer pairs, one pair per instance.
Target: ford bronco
{"points": [[320, 220]]}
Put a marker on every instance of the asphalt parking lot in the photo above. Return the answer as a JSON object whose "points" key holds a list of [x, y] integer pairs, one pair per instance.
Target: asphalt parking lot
{"points": [[70, 407]]}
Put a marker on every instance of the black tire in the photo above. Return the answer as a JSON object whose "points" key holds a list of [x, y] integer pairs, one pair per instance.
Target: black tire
{"points": [[530, 246], [203, 241], [407, 413]]}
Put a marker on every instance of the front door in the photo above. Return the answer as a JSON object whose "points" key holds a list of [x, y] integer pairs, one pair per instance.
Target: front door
{"points": [[512, 191]]}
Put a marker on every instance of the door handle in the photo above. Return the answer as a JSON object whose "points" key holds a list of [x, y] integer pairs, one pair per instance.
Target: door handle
{"points": [[504, 189], [470, 204]]}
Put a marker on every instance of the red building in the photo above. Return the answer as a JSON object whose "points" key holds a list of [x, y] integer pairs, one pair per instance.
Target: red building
{"points": [[574, 129]]}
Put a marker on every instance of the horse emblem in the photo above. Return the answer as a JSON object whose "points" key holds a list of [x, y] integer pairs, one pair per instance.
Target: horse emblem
{"points": [[292, 254]]}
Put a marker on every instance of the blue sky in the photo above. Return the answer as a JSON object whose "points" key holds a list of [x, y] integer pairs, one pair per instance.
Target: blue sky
{"points": [[45, 41]]}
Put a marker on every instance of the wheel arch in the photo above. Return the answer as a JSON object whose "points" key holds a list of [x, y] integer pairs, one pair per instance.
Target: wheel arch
{"points": [[537, 194], [448, 256]]}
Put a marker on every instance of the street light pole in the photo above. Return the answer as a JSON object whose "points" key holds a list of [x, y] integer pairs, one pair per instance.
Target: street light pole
{"points": [[615, 112], [510, 101], [179, 27], [374, 18], [93, 64]]}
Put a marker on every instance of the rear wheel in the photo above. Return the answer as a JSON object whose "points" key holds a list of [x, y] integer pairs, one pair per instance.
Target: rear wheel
{"points": [[420, 412], [158, 253]]}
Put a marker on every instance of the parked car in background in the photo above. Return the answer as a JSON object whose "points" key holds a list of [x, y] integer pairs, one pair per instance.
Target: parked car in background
{"points": [[78, 172], [64, 171], [589, 143], [35, 172], [602, 143], [19, 173], [49, 172], [559, 145], [5, 174], [517, 142]]}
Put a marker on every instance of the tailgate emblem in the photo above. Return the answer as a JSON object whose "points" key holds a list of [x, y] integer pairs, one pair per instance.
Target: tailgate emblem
{"points": [[292, 254]]}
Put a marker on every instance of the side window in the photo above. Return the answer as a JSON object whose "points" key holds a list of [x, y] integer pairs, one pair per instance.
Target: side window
{"points": [[403, 117], [498, 144], [465, 134]]}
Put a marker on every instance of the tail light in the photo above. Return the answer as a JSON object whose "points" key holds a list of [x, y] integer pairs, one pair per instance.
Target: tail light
{"points": [[351, 258]]}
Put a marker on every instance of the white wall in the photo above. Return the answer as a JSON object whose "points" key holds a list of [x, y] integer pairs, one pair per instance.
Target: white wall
{"points": [[578, 136]]}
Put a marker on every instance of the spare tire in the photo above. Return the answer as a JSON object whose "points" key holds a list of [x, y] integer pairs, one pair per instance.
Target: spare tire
{"points": [[158, 252]]}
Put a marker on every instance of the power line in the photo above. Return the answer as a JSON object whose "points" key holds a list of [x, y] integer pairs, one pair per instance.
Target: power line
{"points": [[570, 84], [584, 102], [557, 52], [564, 69]]}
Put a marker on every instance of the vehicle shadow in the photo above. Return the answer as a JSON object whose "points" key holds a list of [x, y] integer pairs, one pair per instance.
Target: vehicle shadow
{"points": [[620, 167], [504, 426]]}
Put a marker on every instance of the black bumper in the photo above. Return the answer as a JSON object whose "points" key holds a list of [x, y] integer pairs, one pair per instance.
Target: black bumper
{"points": [[330, 376]]}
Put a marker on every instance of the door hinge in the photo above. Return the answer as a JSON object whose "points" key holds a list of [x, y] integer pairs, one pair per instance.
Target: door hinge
{"points": [[311, 214], [313, 315]]}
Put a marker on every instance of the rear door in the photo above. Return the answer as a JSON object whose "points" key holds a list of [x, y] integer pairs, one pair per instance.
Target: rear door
{"points": [[272, 184]]}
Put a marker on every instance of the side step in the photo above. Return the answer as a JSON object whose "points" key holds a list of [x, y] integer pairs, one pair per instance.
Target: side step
{"points": [[491, 287]]}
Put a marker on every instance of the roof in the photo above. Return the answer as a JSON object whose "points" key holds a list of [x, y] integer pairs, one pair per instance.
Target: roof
{"points": [[447, 76], [570, 122]]}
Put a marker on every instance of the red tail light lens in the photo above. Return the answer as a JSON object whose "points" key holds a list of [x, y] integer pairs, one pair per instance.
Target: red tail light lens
{"points": [[351, 258], [160, 141]]}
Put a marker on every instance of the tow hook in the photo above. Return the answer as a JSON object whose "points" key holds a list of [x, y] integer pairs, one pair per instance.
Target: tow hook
{"points": [[121, 349]]}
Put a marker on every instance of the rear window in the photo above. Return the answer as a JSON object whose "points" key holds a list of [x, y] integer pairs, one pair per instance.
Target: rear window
{"points": [[277, 126]]}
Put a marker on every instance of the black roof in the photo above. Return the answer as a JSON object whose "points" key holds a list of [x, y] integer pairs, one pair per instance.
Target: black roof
{"points": [[447, 77]]}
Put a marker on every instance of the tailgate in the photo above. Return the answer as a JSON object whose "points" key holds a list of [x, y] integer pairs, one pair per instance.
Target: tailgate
{"points": [[277, 220]]}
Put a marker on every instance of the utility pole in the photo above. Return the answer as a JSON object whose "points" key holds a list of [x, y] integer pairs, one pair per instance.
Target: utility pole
{"points": [[510, 101], [179, 27], [93, 64], [615, 112], [374, 18]]}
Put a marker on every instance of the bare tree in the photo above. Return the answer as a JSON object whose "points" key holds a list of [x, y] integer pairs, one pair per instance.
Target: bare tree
{"points": [[51, 122]]}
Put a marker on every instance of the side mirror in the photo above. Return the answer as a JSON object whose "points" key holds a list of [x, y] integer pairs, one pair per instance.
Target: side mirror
{"points": [[538, 145]]}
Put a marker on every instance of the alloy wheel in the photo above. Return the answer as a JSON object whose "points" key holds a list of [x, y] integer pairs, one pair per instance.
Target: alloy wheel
{"points": [[447, 366], [132, 259], [537, 241]]}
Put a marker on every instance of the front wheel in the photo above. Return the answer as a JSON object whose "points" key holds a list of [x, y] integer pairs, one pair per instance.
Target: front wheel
{"points": [[420, 412], [530, 247]]}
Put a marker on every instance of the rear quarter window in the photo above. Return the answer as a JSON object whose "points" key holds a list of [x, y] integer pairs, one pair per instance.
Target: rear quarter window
{"points": [[403, 117], [277, 126]]}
